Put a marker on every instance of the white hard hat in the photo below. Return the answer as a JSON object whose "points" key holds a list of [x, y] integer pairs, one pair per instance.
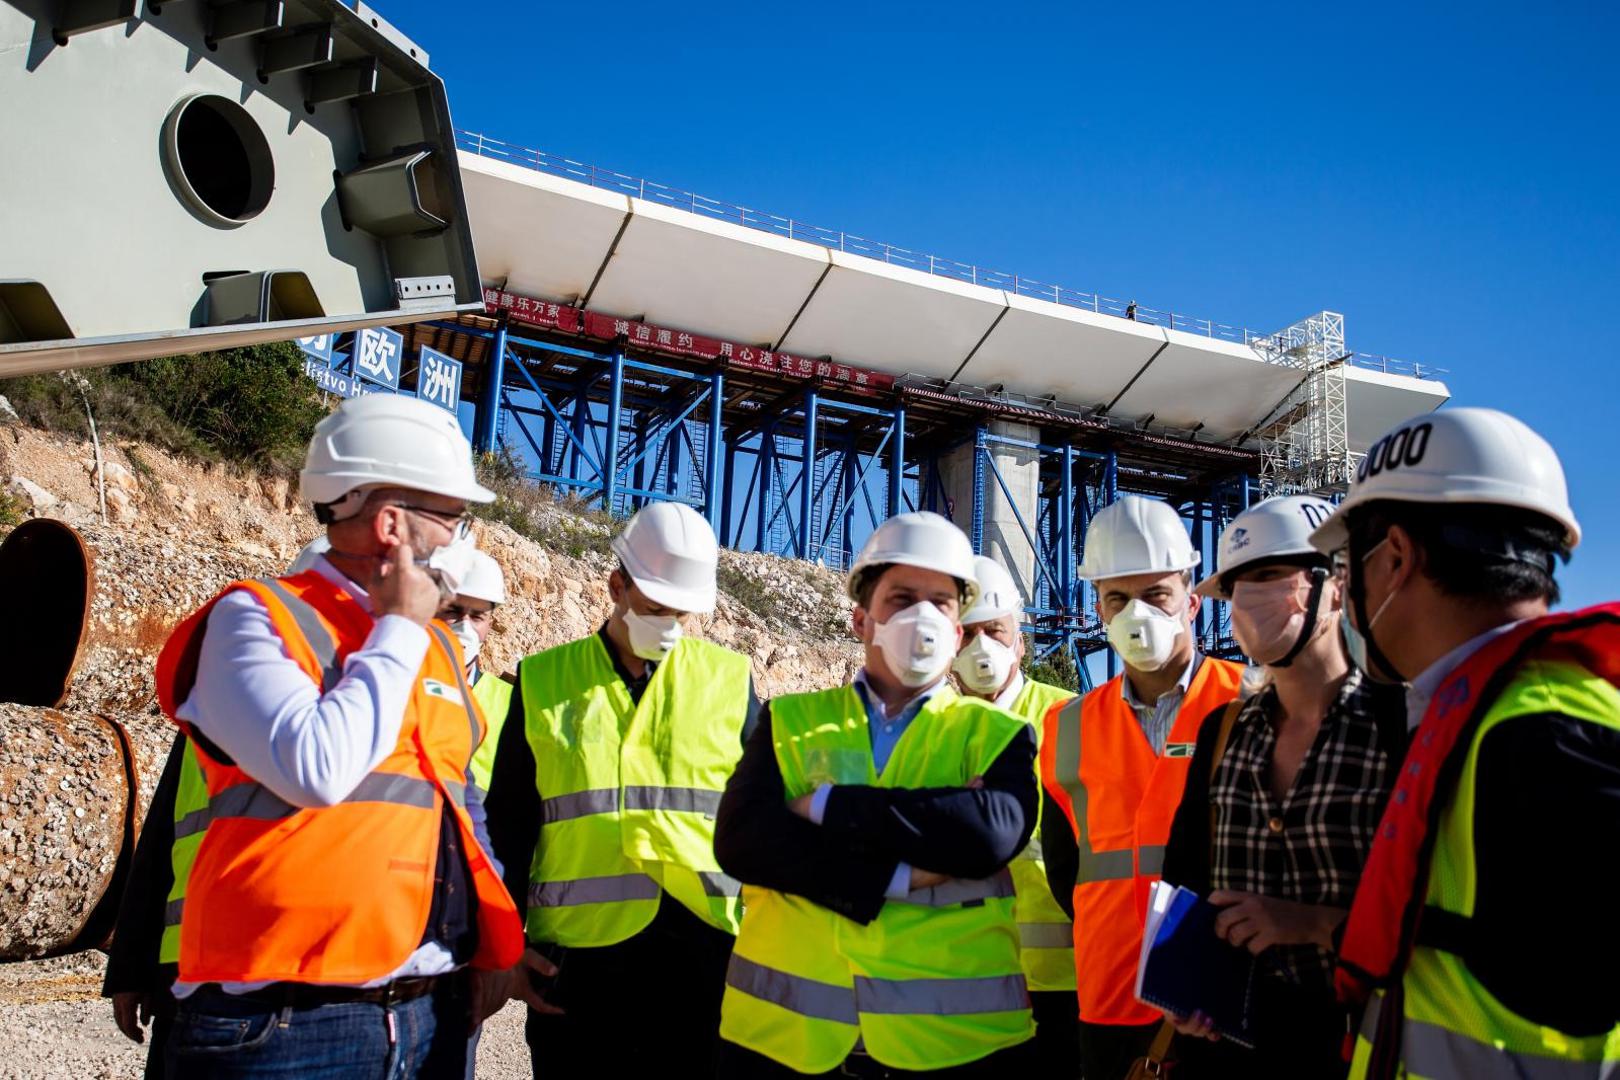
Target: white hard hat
{"points": [[923, 539], [1278, 528], [998, 595], [671, 554], [312, 551], [1463, 455], [387, 440], [1134, 535], [483, 580]]}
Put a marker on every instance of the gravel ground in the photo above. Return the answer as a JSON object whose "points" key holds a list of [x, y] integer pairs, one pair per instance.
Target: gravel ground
{"points": [[58, 1027]]}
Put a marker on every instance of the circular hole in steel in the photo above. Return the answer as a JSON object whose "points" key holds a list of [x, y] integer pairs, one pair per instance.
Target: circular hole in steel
{"points": [[219, 159]]}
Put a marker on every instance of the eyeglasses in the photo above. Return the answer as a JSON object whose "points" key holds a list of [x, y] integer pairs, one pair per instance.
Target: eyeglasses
{"points": [[460, 525], [1340, 560]]}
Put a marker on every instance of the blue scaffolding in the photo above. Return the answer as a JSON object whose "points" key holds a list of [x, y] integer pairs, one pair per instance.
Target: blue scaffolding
{"points": [[806, 470]]}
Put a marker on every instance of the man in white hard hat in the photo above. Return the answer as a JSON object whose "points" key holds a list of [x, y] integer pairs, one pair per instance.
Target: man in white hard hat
{"points": [[1296, 776], [989, 666], [1508, 802], [872, 824], [340, 882], [471, 617], [145, 948], [606, 782], [1115, 761]]}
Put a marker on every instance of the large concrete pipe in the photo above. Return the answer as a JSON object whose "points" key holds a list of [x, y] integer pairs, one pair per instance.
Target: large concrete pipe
{"points": [[68, 814], [68, 781]]}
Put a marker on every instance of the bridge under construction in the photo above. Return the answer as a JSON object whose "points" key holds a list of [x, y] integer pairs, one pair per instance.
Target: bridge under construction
{"points": [[797, 385]]}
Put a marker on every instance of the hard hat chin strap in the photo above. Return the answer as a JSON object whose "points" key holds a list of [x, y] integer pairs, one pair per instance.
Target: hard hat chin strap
{"points": [[1376, 658]]}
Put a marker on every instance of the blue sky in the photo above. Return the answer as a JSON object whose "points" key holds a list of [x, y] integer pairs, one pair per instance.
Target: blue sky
{"points": [[1448, 183]]}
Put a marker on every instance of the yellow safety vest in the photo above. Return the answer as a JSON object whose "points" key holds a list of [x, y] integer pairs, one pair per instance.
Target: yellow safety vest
{"points": [[1453, 1026], [629, 791], [1045, 932], [190, 822], [932, 982], [494, 697]]}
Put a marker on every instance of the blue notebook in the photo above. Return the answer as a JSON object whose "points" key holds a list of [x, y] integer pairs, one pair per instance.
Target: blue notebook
{"points": [[1184, 968]]}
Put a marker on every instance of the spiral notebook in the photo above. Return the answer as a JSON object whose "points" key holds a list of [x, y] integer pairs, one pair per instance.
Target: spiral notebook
{"points": [[1184, 968]]}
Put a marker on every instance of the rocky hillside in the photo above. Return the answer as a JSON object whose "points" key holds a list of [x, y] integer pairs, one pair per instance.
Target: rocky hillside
{"points": [[176, 533]]}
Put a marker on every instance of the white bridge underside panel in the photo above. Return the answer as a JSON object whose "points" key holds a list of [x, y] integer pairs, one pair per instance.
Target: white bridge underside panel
{"points": [[561, 240], [539, 235], [1220, 384], [1377, 402], [893, 318], [1078, 356], [684, 271]]}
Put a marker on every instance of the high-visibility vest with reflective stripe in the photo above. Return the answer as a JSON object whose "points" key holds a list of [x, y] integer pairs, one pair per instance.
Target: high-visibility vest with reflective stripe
{"points": [[1044, 931], [337, 894], [629, 791], [933, 981], [1120, 798], [494, 697], [1452, 1025], [190, 822]]}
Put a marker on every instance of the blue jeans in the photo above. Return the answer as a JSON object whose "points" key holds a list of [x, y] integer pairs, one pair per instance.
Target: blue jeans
{"points": [[217, 1036]]}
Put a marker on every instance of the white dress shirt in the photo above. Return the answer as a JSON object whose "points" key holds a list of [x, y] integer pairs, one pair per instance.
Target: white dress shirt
{"points": [[1005, 699], [255, 703]]}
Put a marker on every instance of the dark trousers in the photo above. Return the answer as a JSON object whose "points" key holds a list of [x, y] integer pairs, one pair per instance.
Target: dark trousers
{"points": [[1013, 1063], [1299, 1035], [157, 1039], [650, 1004], [1107, 1050], [1057, 1032]]}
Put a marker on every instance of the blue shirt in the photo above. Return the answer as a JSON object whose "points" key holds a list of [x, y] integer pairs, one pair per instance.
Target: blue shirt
{"points": [[1422, 688], [1157, 718], [885, 732]]}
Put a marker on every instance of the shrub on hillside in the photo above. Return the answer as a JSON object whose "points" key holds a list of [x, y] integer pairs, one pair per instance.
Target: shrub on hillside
{"points": [[253, 405], [1057, 669], [569, 526]]}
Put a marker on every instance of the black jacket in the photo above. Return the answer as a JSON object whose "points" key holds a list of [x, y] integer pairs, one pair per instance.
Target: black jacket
{"points": [[846, 863], [513, 804], [132, 957]]}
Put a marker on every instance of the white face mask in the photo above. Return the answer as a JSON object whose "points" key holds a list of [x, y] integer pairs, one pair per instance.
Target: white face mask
{"points": [[984, 665], [449, 565], [652, 637], [918, 644], [1144, 636], [463, 629]]}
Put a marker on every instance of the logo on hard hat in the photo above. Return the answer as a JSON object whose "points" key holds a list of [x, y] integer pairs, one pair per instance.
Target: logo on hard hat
{"points": [[1404, 447], [1239, 539]]}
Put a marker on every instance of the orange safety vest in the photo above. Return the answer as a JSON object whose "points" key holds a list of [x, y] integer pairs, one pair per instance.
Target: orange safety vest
{"points": [[1120, 798], [337, 894]]}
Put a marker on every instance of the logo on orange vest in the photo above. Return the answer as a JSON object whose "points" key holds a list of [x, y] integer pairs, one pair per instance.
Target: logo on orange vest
{"points": [[1179, 749], [438, 689]]}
